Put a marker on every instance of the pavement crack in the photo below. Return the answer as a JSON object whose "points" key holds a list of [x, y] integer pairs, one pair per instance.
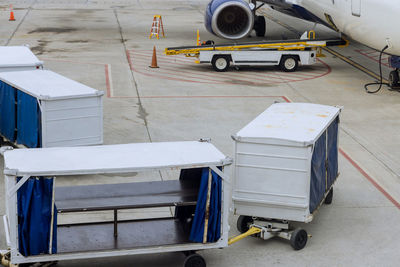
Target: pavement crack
{"points": [[142, 111]]}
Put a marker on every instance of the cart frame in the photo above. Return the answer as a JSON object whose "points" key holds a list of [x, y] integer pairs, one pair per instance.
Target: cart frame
{"points": [[172, 159]]}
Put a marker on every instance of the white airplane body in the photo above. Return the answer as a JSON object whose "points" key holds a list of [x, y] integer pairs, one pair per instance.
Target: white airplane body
{"points": [[370, 22]]}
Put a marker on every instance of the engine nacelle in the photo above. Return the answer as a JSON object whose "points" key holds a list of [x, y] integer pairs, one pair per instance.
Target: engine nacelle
{"points": [[230, 19]]}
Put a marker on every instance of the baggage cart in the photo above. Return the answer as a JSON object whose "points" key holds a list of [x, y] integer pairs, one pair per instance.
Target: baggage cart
{"points": [[286, 162], [40, 108], [16, 58], [201, 197]]}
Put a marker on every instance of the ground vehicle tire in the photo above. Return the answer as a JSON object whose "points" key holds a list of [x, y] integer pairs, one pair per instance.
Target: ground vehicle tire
{"points": [[220, 63], [243, 223], [259, 26], [289, 63], [329, 197], [194, 260], [298, 240], [393, 78]]}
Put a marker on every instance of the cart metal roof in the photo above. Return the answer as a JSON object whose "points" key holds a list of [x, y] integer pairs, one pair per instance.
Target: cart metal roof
{"points": [[289, 123], [47, 85], [112, 158], [17, 56]]}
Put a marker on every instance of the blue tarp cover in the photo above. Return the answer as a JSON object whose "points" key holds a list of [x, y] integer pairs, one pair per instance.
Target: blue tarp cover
{"points": [[324, 164], [214, 222], [394, 61], [332, 168], [28, 114], [318, 173], [7, 111], [34, 217]]}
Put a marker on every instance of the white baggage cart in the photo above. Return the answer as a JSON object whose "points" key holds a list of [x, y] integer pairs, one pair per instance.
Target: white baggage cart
{"points": [[286, 162], [203, 189], [40, 108], [15, 58]]}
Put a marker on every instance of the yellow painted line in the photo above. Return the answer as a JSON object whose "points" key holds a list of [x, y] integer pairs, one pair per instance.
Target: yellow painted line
{"points": [[355, 65]]}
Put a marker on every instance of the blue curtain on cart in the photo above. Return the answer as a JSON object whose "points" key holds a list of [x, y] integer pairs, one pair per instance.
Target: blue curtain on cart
{"points": [[28, 122], [34, 217], [214, 222], [7, 111], [332, 168], [318, 173]]}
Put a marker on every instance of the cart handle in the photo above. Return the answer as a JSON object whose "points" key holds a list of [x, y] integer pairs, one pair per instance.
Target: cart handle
{"points": [[253, 230]]}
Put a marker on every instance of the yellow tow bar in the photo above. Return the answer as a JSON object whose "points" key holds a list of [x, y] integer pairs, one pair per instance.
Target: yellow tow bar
{"points": [[253, 230]]}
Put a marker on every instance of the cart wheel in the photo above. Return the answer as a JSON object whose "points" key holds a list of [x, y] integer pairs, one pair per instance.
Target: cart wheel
{"points": [[194, 260], [298, 240], [220, 63], [329, 197], [243, 223], [259, 26], [393, 78], [289, 63]]}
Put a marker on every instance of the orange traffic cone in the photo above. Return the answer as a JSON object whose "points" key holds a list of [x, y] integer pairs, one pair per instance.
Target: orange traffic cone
{"points": [[11, 14], [154, 59]]}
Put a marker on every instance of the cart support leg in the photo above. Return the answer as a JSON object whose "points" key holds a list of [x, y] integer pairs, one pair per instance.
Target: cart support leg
{"points": [[207, 215], [115, 223]]}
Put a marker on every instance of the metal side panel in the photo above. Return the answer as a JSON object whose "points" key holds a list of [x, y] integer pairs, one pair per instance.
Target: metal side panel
{"points": [[271, 181], [256, 57], [19, 68], [72, 122], [7, 230], [271, 173], [279, 211]]}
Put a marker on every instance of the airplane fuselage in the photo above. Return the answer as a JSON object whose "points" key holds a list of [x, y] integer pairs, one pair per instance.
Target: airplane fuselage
{"points": [[370, 22]]}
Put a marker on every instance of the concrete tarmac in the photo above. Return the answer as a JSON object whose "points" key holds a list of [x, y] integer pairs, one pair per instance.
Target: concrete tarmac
{"points": [[106, 45]]}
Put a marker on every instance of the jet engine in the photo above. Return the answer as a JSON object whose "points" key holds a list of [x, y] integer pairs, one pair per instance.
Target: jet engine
{"points": [[230, 19]]}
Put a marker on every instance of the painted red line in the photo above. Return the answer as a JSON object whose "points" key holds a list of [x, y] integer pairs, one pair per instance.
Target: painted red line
{"points": [[108, 85], [201, 75], [248, 78], [269, 78], [369, 178], [173, 72], [128, 55], [375, 58], [184, 61], [286, 99], [361, 51]]}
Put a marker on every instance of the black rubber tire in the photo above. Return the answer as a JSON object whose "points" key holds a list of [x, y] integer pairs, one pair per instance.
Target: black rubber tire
{"points": [[329, 197], [259, 26], [243, 222], [194, 260], [289, 63], [218, 67], [394, 78], [298, 240]]}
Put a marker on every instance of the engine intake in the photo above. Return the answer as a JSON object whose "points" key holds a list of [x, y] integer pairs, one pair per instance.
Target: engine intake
{"points": [[230, 19]]}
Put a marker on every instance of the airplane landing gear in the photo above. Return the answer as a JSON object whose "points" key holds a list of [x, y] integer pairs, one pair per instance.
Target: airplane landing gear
{"points": [[259, 26], [394, 79]]}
